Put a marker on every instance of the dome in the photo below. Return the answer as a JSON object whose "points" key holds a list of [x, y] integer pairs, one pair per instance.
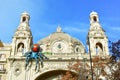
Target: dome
{"points": [[93, 13], [25, 13], [60, 37]]}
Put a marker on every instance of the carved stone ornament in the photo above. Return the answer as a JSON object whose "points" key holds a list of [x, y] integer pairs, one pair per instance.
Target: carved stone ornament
{"points": [[17, 69]]}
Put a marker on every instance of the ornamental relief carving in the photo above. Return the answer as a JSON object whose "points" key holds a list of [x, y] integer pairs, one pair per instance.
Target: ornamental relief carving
{"points": [[17, 69]]}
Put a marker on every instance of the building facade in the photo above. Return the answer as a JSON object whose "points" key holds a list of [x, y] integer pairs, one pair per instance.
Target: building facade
{"points": [[59, 47]]}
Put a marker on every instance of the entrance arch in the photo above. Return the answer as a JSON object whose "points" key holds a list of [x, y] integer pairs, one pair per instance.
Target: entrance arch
{"points": [[53, 75]]}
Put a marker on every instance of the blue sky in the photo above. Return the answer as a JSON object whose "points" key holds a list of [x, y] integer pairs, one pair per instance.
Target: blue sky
{"points": [[71, 15]]}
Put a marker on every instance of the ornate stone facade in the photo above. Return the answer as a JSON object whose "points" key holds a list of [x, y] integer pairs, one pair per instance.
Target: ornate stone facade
{"points": [[97, 38], [59, 47], [61, 42]]}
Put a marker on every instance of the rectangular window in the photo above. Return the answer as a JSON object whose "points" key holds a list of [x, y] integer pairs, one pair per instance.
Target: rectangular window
{"points": [[1, 66], [2, 56]]}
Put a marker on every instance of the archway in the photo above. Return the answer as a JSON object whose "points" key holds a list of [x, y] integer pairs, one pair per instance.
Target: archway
{"points": [[95, 18], [99, 48], [24, 19], [20, 47], [52, 75]]}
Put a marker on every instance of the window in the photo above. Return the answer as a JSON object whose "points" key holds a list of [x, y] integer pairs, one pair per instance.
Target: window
{"points": [[20, 47], [2, 56], [24, 19], [99, 48], [94, 18], [1, 67], [77, 49], [59, 46]]}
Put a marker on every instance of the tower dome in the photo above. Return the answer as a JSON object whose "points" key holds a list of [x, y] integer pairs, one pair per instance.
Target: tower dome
{"points": [[93, 13], [94, 17], [25, 13], [25, 17]]}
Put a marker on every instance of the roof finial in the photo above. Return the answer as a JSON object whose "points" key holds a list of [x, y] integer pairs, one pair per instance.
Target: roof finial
{"points": [[59, 29]]}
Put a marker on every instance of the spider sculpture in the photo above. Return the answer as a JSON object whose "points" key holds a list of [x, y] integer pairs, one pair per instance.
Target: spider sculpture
{"points": [[35, 54]]}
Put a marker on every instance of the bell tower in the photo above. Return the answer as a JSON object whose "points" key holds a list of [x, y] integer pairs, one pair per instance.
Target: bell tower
{"points": [[96, 38], [22, 39], [25, 18]]}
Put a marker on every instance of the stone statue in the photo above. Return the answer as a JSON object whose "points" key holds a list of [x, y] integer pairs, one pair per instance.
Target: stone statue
{"points": [[20, 48], [98, 50]]}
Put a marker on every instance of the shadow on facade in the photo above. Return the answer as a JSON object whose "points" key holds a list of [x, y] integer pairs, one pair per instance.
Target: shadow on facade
{"points": [[52, 75]]}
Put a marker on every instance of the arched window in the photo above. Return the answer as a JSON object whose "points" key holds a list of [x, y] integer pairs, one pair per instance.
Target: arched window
{"points": [[24, 19], [99, 48], [59, 46], [20, 47], [77, 49], [94, 18]]}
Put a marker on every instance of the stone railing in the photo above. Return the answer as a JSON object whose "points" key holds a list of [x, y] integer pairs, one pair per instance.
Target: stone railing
{"points": [[2, 59], [5, 48], [62, 56]]}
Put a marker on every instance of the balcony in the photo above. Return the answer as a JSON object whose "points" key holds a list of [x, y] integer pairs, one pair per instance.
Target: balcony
{"points": [[2, 71]]}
